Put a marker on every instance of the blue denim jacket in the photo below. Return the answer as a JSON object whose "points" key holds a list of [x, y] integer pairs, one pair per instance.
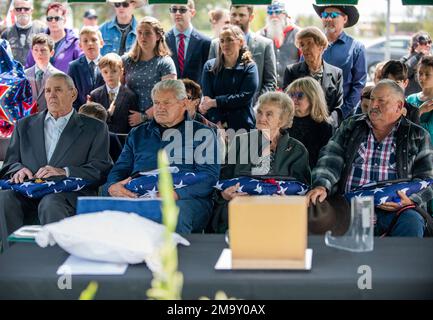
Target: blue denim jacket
{"points": [[112, 36]]}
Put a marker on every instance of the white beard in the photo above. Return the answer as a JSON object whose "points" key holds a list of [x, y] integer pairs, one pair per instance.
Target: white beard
{"points": [[275, 29]]}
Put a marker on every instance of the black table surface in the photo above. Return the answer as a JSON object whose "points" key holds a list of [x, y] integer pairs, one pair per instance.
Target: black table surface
{"points": [[401, 268]]}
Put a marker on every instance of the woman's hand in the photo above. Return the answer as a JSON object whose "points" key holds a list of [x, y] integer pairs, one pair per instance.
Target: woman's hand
{"points": [[206, 104], [231, 192], [135, 118], [426, 107]]}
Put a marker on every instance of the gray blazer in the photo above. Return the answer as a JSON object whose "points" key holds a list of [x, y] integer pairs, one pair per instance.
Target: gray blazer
{"points": [[82, 147], [262, 50], [39, 96]]}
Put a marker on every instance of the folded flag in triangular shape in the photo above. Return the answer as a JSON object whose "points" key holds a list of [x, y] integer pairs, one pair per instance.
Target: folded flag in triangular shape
{"points": [[147, 185], [388, 192], [264, 187], [37, 188]]}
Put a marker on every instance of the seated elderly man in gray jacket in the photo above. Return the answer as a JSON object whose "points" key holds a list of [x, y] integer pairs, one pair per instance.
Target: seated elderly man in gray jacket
{"points": [[381, 145], [58, 142]]}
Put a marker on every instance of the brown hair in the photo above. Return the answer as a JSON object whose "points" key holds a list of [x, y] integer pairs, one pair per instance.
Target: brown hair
{"points": [[193, 88], [161, 49], [44, 39], [250, 8], [86, 30], [426, 61], [245, 55], [94, 110], [111, 60], [217, 14], [315, 95]]}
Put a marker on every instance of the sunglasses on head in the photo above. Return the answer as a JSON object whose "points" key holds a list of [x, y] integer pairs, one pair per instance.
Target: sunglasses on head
{"points": [[121, 4], [181, 10], [22, 9], [56, 18], [423, 40], [332, 15], [296, 95]]}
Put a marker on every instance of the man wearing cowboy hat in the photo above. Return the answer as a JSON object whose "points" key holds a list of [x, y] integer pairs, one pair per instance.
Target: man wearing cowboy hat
{"points": [[281, 29], [344, 52], [119, 34]]}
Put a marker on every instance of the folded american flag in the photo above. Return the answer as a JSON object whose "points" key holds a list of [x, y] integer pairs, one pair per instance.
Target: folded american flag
{"points": [[264, 186], [147, 184], [147, 208], [387, 192], [37, 188]]}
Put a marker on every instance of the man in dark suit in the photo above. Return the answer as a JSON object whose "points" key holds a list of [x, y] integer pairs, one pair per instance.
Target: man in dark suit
{"points": [[115, 97], [57, 142], [260, 47], [190, 48], [124, 101], [84, 70]]}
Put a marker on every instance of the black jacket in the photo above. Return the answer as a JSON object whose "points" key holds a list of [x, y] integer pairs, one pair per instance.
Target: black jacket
{"points": [[332, 82], [126, 100]]}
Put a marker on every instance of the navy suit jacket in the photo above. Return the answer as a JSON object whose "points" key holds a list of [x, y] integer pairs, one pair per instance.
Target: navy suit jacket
{"points": [[195, 57], [80, 72]]}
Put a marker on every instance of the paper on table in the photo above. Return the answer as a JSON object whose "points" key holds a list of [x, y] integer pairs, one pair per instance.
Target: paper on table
{"points": [[78, 266], [225, 260]]}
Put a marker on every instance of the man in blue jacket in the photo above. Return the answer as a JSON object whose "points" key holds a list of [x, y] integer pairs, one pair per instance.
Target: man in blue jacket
{"points": [[190, 145], [119, 34], [345, 53]]}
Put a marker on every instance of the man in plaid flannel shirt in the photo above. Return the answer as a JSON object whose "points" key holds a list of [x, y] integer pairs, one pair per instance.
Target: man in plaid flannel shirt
{"points": [[382, 145]]}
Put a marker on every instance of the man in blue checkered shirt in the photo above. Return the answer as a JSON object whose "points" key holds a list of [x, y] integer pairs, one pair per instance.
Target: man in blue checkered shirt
{"points": [[382, 145]]}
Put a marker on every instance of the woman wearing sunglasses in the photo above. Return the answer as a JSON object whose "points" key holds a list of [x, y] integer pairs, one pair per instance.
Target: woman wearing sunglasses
{"points": [[313, 42], [66, 43], [310, 124]]}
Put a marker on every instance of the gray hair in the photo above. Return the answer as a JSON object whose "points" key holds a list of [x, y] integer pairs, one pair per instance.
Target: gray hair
{"points": [[29, 1], [391, 84], [64, 77], [283, 102], [176, 86]]}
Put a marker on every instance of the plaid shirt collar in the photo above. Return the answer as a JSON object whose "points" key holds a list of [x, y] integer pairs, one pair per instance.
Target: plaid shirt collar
{"points": [[375, 161]]}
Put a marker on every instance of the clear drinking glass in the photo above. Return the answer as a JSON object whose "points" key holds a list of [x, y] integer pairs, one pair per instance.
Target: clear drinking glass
{"points": [[360, 236]]}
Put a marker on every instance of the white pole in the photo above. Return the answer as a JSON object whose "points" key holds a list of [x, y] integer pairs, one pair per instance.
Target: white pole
{"points": [[388, 18]]}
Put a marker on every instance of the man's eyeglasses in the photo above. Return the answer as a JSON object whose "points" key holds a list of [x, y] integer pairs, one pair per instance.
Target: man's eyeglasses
{"points": [[296, 95], [121, 4], [181, 10], [332, 15], [277, 12], [56, 18], [23, 9]]}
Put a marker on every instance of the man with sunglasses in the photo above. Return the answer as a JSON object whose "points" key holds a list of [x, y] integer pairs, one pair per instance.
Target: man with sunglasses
{"points": [[20, 34], [119, 34], [280, 28], [344, 52], [420, 46], [190, 48]]}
